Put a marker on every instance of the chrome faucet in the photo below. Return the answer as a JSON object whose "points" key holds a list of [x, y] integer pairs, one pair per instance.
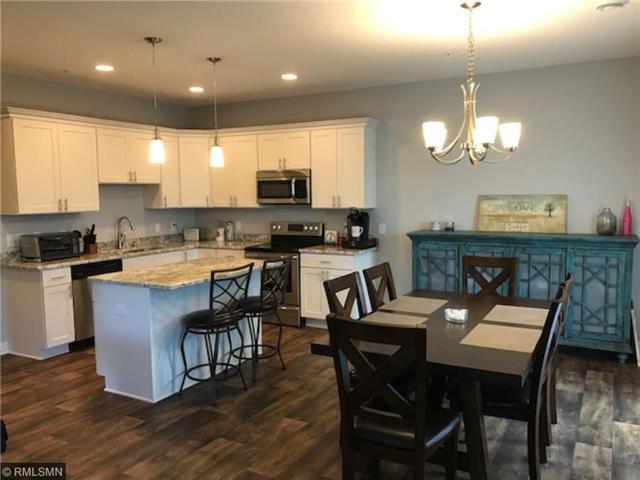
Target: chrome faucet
{"points": [[121, 235]]}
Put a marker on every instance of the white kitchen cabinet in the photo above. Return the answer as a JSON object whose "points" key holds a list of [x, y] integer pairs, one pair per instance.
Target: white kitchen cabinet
{"points": [[343, 165], [153, 260], [315, 269], [194, 172], [58, 313], [284, 150], [123, 156], [167, 193], [48, 167], [42, 326], [78, 168], [234, 185]]}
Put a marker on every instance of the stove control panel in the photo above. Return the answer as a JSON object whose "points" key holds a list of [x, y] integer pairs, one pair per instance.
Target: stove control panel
{"points": [[309, 229]]}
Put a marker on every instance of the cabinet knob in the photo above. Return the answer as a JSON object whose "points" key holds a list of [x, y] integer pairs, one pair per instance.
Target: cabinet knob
{"points": [[165, 202], [333, 200], [135, 176], [130, 176], [66, 204], [59, 204], [207, 200]]}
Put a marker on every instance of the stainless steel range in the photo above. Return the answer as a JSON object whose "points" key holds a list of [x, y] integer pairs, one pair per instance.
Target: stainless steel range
{"points": [[287, 238]]}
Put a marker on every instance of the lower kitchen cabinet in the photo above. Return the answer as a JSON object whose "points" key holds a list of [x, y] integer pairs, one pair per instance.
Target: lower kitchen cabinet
{"points": [[315, 269], [37, 307]]}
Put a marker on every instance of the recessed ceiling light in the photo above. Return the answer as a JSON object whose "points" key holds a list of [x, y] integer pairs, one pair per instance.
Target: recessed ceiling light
{"points": [[604, 6], [104, 68], [289, 77], [196, 89]]}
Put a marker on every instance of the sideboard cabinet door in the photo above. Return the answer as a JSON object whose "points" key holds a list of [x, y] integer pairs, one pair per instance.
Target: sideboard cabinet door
{"points": [[436, 267], [598, 298], [540, 272]]}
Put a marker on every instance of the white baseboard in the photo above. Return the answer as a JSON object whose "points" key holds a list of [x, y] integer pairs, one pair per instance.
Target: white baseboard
{"points": [[4, 348]]}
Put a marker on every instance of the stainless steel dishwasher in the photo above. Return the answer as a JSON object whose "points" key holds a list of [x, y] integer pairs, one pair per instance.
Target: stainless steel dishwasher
{"points": [[83, 301]]}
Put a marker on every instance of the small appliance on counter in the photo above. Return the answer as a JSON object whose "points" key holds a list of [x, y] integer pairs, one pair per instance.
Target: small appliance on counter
{"points": [[229, 231], [357, 233], [41, 247], [195, 234]]}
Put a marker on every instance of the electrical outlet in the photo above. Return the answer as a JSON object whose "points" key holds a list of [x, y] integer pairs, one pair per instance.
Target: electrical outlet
{"points": [[382, 229], [12, 240], [238, 225], [157, 228], [174, 227]]}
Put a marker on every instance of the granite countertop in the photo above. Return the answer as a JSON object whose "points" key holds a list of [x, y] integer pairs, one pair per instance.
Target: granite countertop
{"points": [[114, 254], [330, 249], [173, 275]]}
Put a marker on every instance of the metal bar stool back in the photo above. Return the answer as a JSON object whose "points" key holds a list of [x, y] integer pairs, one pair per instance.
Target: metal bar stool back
{"points": [[228, 291]]}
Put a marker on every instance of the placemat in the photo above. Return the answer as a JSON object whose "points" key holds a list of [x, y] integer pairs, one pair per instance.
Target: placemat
{"points": [[517, 315], [502, 337], [415, 305], [395, 319]]}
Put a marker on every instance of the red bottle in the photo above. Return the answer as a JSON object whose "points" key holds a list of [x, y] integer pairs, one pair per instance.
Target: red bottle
{"points": [[627, 220]]}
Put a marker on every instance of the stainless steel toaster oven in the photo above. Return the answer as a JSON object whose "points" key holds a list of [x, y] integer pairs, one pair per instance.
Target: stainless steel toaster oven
{"points": [[40, 247]]}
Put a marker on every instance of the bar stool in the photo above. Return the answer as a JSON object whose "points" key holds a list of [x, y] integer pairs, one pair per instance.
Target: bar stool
{"points": [[274, 279], [227, 295]]}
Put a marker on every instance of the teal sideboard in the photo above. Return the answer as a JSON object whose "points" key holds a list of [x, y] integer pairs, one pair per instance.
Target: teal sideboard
{"points": [[599, 314]]}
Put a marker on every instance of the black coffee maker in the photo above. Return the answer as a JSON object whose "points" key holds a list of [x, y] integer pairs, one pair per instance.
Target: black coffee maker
{"points": [[357, 234]]}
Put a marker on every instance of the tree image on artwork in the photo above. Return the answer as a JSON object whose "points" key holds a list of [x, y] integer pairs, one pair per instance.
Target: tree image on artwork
{"points": [[549, 207]]}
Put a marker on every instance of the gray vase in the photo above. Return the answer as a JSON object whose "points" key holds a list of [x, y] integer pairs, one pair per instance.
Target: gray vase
{"points": [[607, 223]]}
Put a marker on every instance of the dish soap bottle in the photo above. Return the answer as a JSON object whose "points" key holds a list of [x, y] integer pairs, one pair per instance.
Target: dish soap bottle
{"points": [[627, 220]]}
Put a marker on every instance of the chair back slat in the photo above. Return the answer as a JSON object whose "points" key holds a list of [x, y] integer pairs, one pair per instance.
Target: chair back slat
{"points": [[386, 286], [475, 268], [375, 382], [547, 345], [274, 281], [228, 292], [347, 286]]}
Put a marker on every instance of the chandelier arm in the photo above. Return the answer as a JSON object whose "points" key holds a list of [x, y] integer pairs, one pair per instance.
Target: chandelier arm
{"points": [[499, 160], [475, 158], [501, 150], [446, 150], [440, 158]]}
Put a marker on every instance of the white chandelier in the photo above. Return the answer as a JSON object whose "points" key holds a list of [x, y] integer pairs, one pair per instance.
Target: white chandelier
{"points": [[480, 131]]}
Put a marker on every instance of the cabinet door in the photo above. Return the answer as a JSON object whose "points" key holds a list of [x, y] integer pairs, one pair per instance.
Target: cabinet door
{"points": [[222, 179], [78, 168], [113, 156], [143, 171], [36, 163], [436, 267], [245, 164], [296, 150], [58, 315], [324, 157], [350, 171], [270, 151], [170, 174], [194, 172], [313, 301]]}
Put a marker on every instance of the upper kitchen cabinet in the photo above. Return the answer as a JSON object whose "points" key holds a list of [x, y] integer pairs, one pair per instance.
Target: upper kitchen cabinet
{"points": [[123, 157], [167, 193], [48, 167], [284, 150], [234, 185], [194, 171], [343, 165]]}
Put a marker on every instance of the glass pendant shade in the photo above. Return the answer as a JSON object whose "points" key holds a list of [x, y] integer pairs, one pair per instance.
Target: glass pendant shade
{"points": [[485, 131], [216, 157], [156, 150], [434, 134], [510, 135]]}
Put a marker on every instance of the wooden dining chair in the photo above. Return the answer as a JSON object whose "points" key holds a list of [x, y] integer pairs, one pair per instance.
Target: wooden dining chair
{"points": [[551, 384], [529, 404], [386, 286], [378, 421], [475, 268], [343, 294]]}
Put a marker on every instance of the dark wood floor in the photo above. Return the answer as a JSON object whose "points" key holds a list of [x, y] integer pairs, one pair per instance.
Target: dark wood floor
{"points": [[284, 427]]}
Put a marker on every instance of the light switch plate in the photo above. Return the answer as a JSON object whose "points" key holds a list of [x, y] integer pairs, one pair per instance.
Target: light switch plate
{"points": [[382, 229], [157, 228]]}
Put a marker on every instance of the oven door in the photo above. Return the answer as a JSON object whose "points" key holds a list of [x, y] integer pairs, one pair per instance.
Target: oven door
{"points": [[284, 187]]}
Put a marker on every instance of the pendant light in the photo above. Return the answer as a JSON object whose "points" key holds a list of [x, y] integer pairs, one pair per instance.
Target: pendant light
{"points": [[156, 145], [216, 156]]}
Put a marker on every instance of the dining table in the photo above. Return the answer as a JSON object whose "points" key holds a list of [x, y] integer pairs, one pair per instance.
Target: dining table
{"points": [[493, 346]]}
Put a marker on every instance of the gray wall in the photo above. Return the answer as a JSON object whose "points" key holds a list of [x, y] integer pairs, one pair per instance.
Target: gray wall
{"points": [[580, 137]]}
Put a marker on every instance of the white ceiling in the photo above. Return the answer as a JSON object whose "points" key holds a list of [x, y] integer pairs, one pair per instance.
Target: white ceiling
{"points": [[332, 45]]}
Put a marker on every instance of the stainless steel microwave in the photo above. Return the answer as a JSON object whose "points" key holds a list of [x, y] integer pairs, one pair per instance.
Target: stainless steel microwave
{"points": [[284, 187]]}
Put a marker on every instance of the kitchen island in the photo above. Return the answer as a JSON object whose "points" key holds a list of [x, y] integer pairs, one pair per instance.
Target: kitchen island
{"points": [[138, 324]]}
